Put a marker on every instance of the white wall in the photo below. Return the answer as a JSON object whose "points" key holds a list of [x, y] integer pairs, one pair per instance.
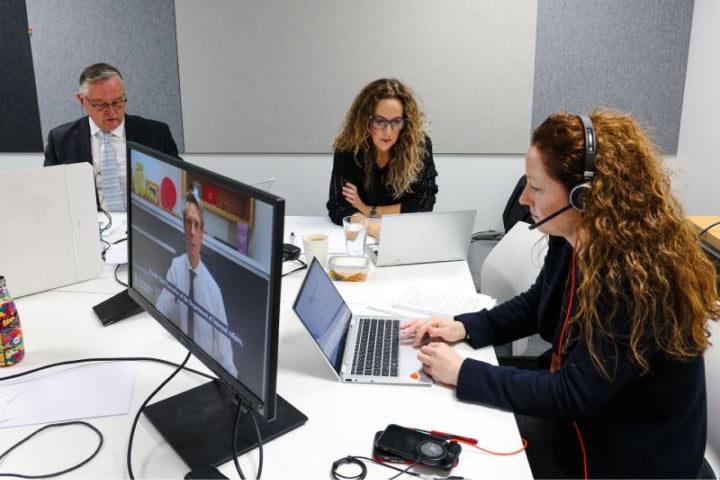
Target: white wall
{"points": [[16, 161], [464, 181], [698, 157]]}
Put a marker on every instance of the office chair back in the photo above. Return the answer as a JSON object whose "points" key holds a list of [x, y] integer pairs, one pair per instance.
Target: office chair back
{"points": [[513, 264], [511, 268]]}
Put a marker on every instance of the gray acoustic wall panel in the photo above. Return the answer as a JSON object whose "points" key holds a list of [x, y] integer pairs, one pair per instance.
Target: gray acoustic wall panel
{"points": [[630, 56], [136, 36], [279, 76]]}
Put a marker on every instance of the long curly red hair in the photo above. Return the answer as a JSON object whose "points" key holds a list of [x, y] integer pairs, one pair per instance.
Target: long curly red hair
{"points": [[639, 248]]}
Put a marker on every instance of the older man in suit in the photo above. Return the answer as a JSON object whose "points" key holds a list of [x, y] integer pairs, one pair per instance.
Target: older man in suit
{"points": [[100, 138]]}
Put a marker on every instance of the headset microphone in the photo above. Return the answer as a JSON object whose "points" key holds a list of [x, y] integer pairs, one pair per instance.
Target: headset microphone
{"points": [[578, 192], [551, 216]]}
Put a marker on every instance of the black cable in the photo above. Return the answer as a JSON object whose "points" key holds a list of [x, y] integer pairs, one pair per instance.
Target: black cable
{"points": [[707, 229], [117, 279], [61, 472], [109, 224], [180, 367], [302, 266], [348, 459], [110, 359], [103, 230], [238, 414], [357, 459], [240, 411], [386, 465], [253, 416], [105, 248], [142, 407], [405, 470]]}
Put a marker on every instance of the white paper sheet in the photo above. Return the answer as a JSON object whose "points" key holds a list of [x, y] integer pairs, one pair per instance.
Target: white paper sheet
{"points": [[69, 393]]}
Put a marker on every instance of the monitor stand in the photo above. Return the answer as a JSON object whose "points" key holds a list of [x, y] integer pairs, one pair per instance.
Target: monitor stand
{"points": [[116, 308], [198, 424]]}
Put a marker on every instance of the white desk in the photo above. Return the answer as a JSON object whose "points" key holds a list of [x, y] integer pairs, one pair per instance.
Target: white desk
{"points": [[343, 418]]}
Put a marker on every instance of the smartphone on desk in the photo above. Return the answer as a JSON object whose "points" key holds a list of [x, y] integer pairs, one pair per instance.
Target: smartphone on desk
{"points": [[400, 442], [408, 445]]}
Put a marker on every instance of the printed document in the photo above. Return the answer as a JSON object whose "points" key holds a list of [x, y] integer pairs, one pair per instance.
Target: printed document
{"points": [[425, 302]]}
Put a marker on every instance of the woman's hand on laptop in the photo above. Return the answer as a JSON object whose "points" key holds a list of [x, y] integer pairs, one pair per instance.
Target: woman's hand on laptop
{"points": [[441, 362], [423, 329]]}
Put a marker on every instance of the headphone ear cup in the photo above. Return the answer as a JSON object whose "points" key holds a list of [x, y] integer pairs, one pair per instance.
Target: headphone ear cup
{"points": [[578, 195]]}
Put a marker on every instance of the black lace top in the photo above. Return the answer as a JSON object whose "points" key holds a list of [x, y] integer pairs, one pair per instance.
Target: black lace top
{"points": [[345, 169]]}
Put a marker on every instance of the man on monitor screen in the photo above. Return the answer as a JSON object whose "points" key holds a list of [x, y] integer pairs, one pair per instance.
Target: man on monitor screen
{"points": [[197, 302]]}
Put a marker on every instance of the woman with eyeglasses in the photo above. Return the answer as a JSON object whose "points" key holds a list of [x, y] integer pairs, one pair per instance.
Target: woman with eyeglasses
{"points": [[383, 159]]}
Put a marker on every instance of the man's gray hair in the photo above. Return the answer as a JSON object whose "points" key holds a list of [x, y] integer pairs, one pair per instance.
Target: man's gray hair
{"points": [[96, 73]]}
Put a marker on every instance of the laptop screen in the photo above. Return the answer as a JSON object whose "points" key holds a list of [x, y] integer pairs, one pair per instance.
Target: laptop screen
{"points": [[323, 312], [424, 237]]}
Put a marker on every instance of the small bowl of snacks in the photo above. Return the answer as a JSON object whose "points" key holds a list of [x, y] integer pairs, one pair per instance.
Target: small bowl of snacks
{"points": [[348, 269]]}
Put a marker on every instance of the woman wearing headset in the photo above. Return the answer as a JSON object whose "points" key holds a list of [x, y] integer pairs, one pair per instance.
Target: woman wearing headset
{"points": [[624, 297], [383, 159]]}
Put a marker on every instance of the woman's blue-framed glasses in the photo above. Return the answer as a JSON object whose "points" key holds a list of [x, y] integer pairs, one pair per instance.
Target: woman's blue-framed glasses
{"points": [[380, 123]]}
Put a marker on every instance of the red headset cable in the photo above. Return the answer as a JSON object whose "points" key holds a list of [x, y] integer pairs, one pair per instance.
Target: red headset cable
{"points": [[560, 344], [502, 454]]}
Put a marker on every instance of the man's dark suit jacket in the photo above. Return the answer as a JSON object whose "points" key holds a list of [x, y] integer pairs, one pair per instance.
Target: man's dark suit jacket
{"points": [[70, 142]]}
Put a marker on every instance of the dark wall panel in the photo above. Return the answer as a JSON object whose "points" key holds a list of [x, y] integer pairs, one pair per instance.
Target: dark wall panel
{"points": [[20, 118]]}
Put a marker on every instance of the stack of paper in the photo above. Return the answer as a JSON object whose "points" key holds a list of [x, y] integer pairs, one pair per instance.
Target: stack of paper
{"points": [[425, 302]]}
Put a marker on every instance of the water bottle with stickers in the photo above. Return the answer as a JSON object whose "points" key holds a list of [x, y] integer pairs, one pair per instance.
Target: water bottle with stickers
{"points": [[11, 341]]}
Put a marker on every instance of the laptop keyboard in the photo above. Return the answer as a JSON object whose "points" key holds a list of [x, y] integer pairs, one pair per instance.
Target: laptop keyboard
{"points": [[376, 347]]}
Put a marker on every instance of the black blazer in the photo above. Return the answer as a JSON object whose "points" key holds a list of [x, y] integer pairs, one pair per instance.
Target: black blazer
{"points": [[70, 142]]}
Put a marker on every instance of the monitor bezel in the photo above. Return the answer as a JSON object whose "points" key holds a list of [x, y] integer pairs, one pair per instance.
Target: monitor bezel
{"points": [[266, 406]]}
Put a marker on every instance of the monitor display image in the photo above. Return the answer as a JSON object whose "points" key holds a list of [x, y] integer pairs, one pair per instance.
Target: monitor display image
{"points": [[205, 260]]}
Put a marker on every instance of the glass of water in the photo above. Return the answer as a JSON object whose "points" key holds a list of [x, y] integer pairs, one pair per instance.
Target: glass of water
{"points": [[355, 228]]}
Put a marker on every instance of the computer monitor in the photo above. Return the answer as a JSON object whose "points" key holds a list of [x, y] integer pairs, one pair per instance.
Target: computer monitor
{"points": [[205, 260]]}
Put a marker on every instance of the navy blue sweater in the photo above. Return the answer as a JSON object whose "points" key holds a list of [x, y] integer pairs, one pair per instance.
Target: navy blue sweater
{"points": [[632, 425]]}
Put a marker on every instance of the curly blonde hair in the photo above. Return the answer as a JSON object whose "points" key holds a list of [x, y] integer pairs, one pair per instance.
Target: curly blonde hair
{"points": [[640, 250], [406, 156]]}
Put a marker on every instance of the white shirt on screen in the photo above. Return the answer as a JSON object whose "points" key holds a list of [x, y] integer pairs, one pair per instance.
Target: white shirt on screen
{"points": [[207, 295]]}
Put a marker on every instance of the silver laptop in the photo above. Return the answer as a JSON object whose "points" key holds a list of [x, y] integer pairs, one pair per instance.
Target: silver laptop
{"points": [[346, 340], [266, 185], [423, 237], [49, 234]]}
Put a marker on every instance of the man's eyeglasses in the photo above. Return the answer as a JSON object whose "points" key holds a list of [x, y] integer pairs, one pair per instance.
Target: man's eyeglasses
{"points": [[380, 123], [116, 105]]}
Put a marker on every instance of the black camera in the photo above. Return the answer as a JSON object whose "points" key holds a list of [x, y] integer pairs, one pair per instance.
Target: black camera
{"points": [[407, 445], [290, 252]]}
